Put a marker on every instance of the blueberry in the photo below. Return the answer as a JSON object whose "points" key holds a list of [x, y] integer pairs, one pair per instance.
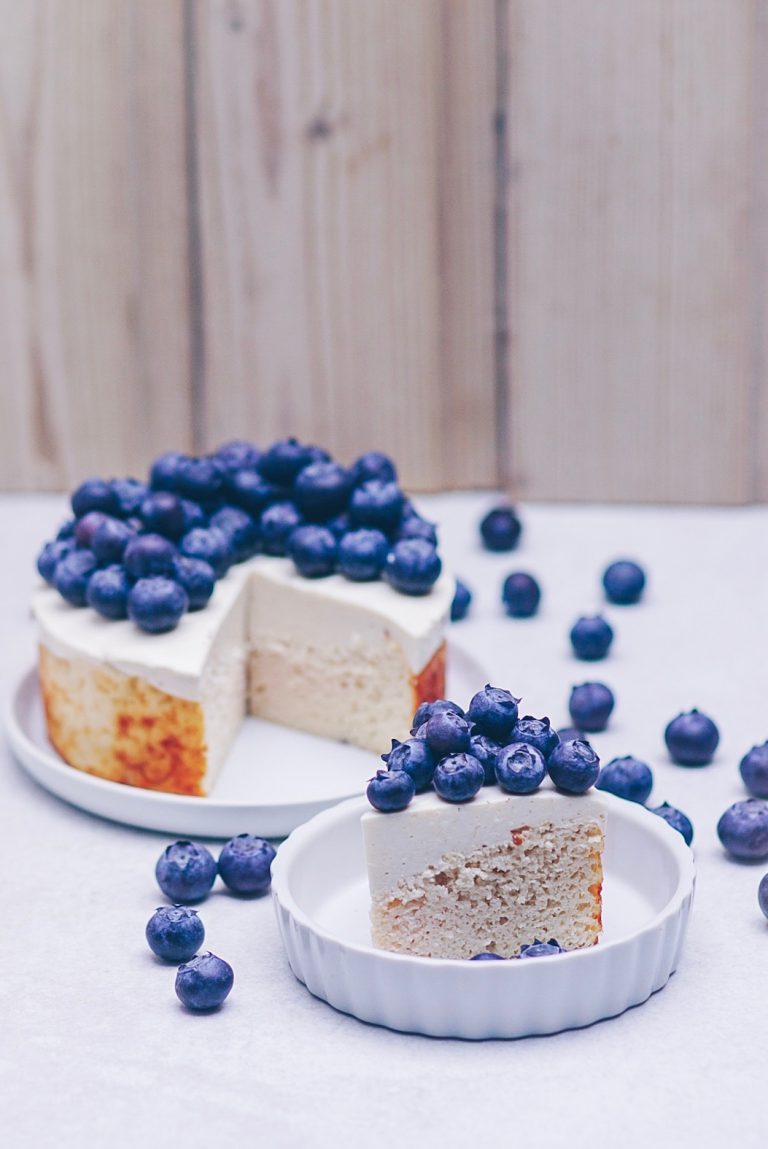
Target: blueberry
{"points": [[536, 732], [570, 734], [415, 757], [321, 490], [376, 504], [164, 471], [692, 739], [624, 582], [204, 982], [313, 550], [185, 871], [390, 790], [237, 455], [494, 712], [110, 539], [245, 864], [175, 933], [413, 566], [340, 525], [211, 545], [743, 830], [130, 494], [487, 956], [276, 524], [51, 555], [250, 491], [67, 530], [754, 771], [573, 767], [148, 555], [108, 591], [628, 778], [373, 465], [163, 514], [94, 495], [156, 604], [427, 709], [447, 733], [458, 777], [362, 554], [762, 894], [520, 768], [72, 575], [541, 949], [500, 529], [241, 530], [414, 527], [283, 461], [591, 705], [591, 638], [86, 527], [521, 595], [676, 819], [194, 515], [486, 751], [200, 479], [197, 579], [462, 597]]}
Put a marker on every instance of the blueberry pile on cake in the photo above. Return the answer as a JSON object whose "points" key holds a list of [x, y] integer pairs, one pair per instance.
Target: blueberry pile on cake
{"points": [[485, 834], [277, 583]]}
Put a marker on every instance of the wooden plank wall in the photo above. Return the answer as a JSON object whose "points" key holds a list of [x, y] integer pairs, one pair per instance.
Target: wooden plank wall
{"points": [[518, 240]]}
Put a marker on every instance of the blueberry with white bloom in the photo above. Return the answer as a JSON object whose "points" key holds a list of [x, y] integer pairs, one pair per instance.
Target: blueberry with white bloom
{"points": [[413, 566], [250, 491], [321, 490], [72, 575], [520, 768], [185, 871], [108, 591], [628, 778], [447, 733], [197, 579], [390, 790], [362, 554], [415, 757], [240, 528], [754, 771], [52, 554], [339, 525], [201, 480], [276, 525], [414, 527], [591, 705], [536, 732], [376, 503], [373, 465], [427, 709], [624, 582], [163, 514], [148, 555], [500, 529], [130, 494], [573, 767], [175, 933], [86, 527], [211, 545], [591, 637], [94, 495], [194, 515], [110, 540], [494, 712], [486, 751], [283, 461], [245, 864], [204, 983], [314, 550], [743, 830], [164, 471], [458, 777], [156, 604], [237, 455], [692, 739], [66, 530], [520, 595], [676, 819], [462, 599]]}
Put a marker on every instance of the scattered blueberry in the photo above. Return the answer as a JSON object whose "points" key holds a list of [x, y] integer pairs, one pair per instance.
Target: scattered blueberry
{"points": [[211, 545], [185, 871], [624, 582], [521, 595], [413, 566], [458, 777], [313, 550], [110, 539], [240, 529], [536, 732], [322, 490], [175, 933], [692, 739], [108, 591], [94, 495], [373, 465], [362, 555], [164, 471], [520, 768], [204, 982], [541, 949], [427, 709], [163, 513], [148, 555], [283, 461], [276, 524], [86, 527], [487, 956], [573, 767], [130, 494], [591, 638], [486, 751], [462, 597], [762, 894], [73, 574], [197, 579], [500, 529], [51, 555], [754, 771], [493, 712], [156, 604], [245, 864], [676, 819], [628, 778], [591, 705], [390, 790], [200, 479], [447, 733], [376, 503], [415, 757], [743, 830], [251, 491]]}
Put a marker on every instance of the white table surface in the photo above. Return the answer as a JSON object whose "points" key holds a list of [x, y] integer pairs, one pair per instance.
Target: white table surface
{"points": [[95, 1049]]}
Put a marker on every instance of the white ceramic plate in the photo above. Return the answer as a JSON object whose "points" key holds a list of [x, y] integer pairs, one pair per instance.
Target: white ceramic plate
{"points": [[320, 892], [313, 774]]}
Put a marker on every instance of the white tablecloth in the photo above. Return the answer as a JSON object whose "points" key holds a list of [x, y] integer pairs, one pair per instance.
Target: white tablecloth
{"points": [[96, 1050]]}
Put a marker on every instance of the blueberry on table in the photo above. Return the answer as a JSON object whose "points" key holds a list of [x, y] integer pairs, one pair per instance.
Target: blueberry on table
{"points": [[157, 604], [413, 566], [147, 555], [197, 579], [276, 525], [486, 751], [520, 595], [743, 830], [237, 455], [110, 539], [162, 512], [439, 706], [245, 864], [185, 871], [314, 551], [373, 465], [164, 471], [754, 771], [573, 767], [322, 490], [362, 554], [500, 529], [52, 554], [376, 503], [94, 495], [390, 790], [487, 956], [628, 778], [520, 768], [676, 819], [537, 732], [283, 461], [204, 982], [493, 710], [458, 777], [447, 733], [211, 545], [541, 949], [591, 705], [692, 739], [462, 599], [72, 575], [415, 757], [591, 637], [108, 591], [175, 933], [762, 894], [624, 582]]}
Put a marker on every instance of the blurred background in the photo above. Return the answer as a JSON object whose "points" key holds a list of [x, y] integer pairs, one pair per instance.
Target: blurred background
{"points": [[512, 242]]}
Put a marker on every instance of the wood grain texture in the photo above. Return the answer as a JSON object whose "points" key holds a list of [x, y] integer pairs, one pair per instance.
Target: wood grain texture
{"points": [[346, 190], [631, 293], [93, 238]]}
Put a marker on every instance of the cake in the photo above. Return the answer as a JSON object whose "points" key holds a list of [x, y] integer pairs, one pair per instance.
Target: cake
{"points": [[346, 659]]}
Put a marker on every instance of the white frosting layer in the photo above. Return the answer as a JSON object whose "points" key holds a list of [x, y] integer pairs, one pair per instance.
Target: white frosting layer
{"points": [[404, 844], [282, 602]]}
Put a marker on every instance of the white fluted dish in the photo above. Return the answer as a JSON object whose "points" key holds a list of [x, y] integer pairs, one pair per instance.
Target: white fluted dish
{"points": [[320, 893]]}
